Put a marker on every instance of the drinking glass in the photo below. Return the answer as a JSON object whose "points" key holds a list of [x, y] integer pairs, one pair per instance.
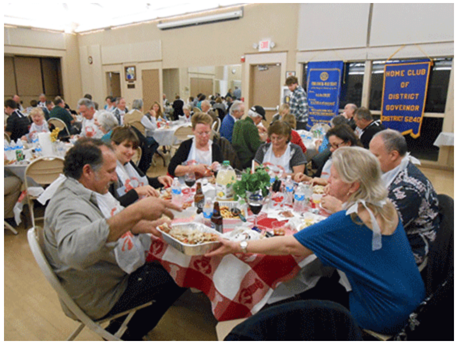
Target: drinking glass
{"points": [[190, 179], [316, 198], [255, 200]]}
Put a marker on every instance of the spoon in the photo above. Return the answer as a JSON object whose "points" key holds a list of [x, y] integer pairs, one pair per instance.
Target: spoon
{"points": [[237, 212]]}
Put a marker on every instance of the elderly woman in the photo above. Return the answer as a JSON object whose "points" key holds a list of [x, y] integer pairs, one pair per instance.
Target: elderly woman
{"points": [[106, 122], [280, 152], [186, 113], [201, 155], [366, 241], [132, 184], [338, 136]]}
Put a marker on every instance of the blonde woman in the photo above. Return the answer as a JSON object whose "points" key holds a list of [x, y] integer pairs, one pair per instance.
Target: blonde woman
{"points": [[283, 110], [366, 241]]}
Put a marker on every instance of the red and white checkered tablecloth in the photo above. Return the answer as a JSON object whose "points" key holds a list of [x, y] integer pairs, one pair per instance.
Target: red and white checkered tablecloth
{"points": [[238, 285]]}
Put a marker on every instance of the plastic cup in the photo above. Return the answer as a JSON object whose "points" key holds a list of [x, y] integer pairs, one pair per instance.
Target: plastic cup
{"points": [[278, 228]]}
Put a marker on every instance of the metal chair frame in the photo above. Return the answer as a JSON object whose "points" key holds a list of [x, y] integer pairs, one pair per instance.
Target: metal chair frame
{"points": [[43, 171], [35, 238], [59, 124]]}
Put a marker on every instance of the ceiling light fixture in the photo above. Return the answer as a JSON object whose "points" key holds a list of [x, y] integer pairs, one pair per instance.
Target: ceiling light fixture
{"points": [[201, 20]]}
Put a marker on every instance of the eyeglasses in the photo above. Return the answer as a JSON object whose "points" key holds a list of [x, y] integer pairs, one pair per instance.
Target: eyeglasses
{"points": [[335, 146], [204, 133]]}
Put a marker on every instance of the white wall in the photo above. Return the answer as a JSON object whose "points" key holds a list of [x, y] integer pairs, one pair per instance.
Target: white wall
{"points": [[412, 24], [332, 26], [337, 26]]}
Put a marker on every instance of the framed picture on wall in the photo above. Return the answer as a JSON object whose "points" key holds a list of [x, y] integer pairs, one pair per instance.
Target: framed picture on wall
{"points": [[129, 72]]}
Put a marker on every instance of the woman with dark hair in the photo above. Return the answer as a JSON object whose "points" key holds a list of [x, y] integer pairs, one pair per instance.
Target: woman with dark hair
{"points": [[280, 152], [132, 184], [338, 136]]}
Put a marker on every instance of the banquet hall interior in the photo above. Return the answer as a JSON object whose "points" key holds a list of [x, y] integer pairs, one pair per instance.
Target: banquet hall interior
{"points": [[156, 52]]}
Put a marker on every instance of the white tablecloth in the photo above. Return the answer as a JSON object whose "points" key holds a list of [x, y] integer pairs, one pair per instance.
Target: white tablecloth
{"points": [[445, 138], [166, 136]]}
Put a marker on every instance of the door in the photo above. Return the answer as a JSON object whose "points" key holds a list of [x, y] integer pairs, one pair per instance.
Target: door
{"points": [[150, 88], [204, 86], [265, 87], [114, 84]]}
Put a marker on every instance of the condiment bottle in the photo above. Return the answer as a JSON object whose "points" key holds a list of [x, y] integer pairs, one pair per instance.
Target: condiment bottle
{"points": [[199, 198], [217, 219]]}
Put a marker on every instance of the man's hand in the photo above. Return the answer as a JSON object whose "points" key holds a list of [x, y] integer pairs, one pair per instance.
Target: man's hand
{"points": [[145, 226], [154, 208], [165, 180], [147, 191]]}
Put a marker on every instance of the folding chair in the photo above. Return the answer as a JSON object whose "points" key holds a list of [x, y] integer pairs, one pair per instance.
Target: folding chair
{"points": [[36, 243], [56, 122], [43, 171], [181, 134], [216, 126], [9, 227], [137, 156]]}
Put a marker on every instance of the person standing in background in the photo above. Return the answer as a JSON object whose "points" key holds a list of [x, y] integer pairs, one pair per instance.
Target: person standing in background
{"points": [[298, 102]]}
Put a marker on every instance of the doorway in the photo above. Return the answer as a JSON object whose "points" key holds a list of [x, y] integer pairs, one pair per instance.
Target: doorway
{"points": [[114, 84], [150, 88], [266, 79]]}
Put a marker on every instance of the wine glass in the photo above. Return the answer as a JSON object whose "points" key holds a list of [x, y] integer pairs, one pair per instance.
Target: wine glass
{"points": [[190, 179], [255, 200]]}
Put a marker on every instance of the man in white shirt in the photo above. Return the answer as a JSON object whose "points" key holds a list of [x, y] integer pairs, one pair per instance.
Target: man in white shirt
{"points": [[87, 110], [42, 100], [120, 110]]}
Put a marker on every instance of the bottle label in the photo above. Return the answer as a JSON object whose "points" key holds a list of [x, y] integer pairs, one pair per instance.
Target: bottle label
{"points": [[289, 188], [19, 155], [225, 191], [217, 227], [176, 191], [299, 197]]}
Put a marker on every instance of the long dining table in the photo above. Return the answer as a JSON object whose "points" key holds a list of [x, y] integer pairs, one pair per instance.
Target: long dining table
{"points": [[239, 285]]}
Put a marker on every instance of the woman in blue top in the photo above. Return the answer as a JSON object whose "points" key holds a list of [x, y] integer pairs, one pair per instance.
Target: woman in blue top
{"points": [[366, 241]]}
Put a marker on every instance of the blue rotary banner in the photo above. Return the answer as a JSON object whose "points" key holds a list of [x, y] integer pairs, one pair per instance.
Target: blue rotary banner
{"points": [[324, 85], [404, 96]]}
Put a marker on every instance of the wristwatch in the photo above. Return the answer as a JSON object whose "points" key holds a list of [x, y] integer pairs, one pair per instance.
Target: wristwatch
{"points": [[243, 245]]}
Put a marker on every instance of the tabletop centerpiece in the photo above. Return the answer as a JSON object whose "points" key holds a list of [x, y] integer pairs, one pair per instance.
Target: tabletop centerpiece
{"points": [[251, 183]]}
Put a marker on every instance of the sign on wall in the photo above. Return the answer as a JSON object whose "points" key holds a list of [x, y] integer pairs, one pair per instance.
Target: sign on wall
{"points": [[404, 96], [324, 86]]}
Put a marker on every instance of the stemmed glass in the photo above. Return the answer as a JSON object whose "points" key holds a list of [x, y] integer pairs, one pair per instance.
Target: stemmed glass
{"points": [[255, 200], [190, 179]]}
